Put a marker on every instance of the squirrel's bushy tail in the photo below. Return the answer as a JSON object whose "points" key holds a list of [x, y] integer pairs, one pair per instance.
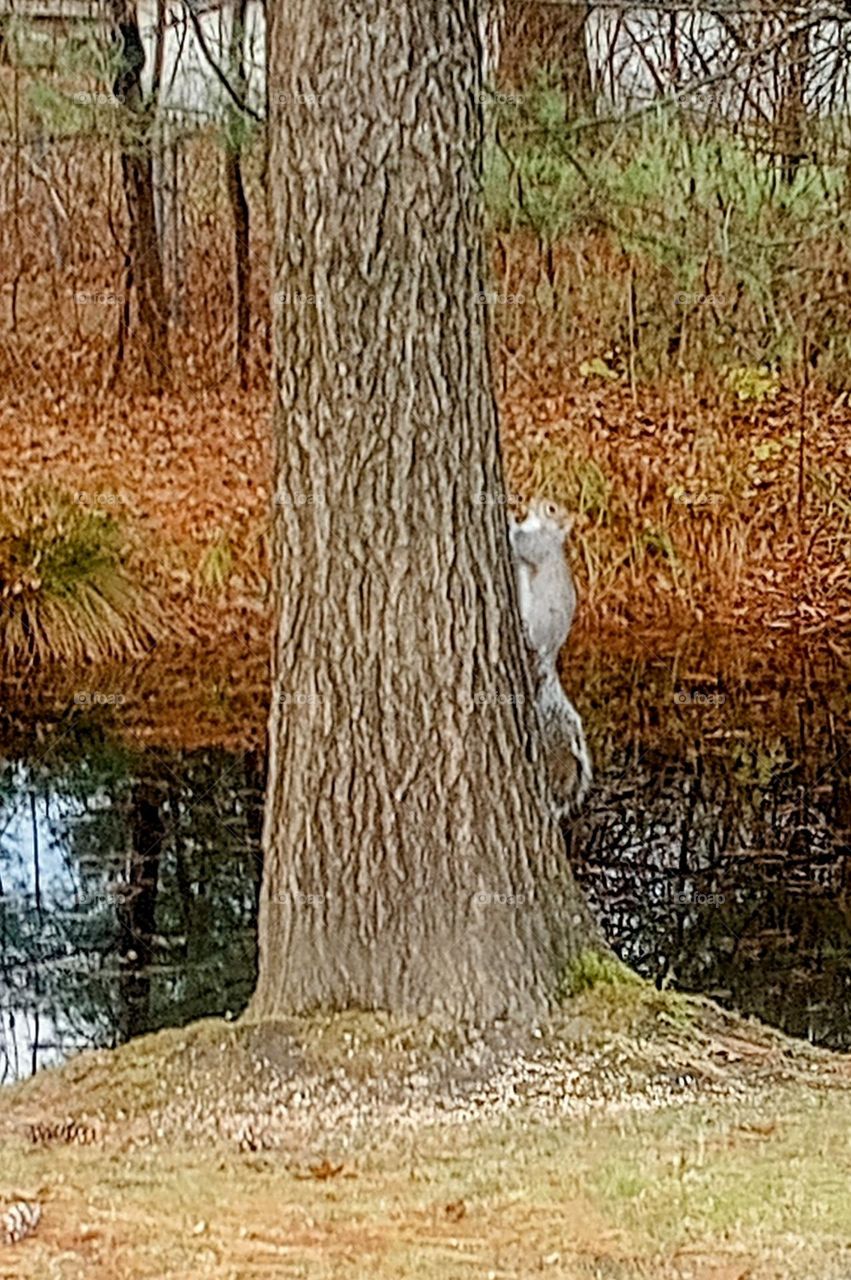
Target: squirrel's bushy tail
{"points": [[565, 748]]}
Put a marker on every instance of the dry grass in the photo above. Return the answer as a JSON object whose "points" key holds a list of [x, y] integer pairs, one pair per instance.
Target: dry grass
{"points": [[747, 1193], [691, 511]]}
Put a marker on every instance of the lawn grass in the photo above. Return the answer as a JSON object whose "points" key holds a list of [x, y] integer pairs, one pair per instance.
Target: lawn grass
{"points": [[745, 1177], [756, 1189]]}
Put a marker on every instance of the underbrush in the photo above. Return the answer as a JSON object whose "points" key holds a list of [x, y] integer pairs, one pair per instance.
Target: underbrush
{"points": [[691, 510], [655, 248], [659, 248], [67, 592]]}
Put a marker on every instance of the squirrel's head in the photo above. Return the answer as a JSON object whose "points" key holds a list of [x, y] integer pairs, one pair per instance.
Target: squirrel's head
{"points": [[549, 515]]}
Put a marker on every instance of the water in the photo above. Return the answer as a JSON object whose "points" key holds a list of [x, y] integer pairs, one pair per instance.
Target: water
{"points": [[130, 882], [715, 846]]}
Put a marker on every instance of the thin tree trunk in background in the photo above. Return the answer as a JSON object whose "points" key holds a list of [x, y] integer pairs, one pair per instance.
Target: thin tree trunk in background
{"points": [[236, 193], [36, 855], [576, 70], [152, 309], [38, 906], [552, 37], [410, 859], [138, 177], [164, 152], [16, 199], [792, 116]]}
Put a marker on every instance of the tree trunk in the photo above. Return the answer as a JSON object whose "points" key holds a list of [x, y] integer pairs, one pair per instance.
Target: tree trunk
{"points": [[549, 37], [137, 169], [491, 19], [411, 862], [236, 193], [577, 83], [792, 116]]}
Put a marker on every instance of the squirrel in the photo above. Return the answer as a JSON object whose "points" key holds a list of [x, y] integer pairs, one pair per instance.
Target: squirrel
{"points": [[547, 599]]}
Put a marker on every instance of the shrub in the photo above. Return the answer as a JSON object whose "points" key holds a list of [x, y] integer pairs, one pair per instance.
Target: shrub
{"points": [[66, 590]]}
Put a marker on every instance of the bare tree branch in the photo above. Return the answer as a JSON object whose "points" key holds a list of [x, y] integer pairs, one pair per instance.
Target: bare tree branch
{"points": [[215, 68]]}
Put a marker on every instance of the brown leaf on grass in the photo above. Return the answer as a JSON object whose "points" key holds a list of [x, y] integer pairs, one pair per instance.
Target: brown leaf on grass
{"points": [[455, 1210], [322, 1172], [758, 1130]]}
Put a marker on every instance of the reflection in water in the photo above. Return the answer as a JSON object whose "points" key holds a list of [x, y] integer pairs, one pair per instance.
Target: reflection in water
{"points": [[715, 848], [129, 893]]}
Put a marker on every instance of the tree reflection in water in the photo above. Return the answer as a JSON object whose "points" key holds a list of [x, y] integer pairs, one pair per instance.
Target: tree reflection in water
{"points": [[714, 847]]}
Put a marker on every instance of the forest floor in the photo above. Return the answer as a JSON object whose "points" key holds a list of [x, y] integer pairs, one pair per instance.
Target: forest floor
{"points": [[692, 508], [641, 1136]]}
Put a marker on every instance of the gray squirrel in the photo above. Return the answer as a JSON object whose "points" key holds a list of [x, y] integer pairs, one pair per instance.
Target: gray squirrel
{"points": [[547, 599]]}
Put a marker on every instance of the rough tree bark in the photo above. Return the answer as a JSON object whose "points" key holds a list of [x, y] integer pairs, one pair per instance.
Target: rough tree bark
{"points": [[491, 21], [145, 273], [411, 863]]}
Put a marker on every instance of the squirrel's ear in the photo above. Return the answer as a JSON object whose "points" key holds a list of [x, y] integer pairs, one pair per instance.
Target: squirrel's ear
{"points": [[569, 522]]}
